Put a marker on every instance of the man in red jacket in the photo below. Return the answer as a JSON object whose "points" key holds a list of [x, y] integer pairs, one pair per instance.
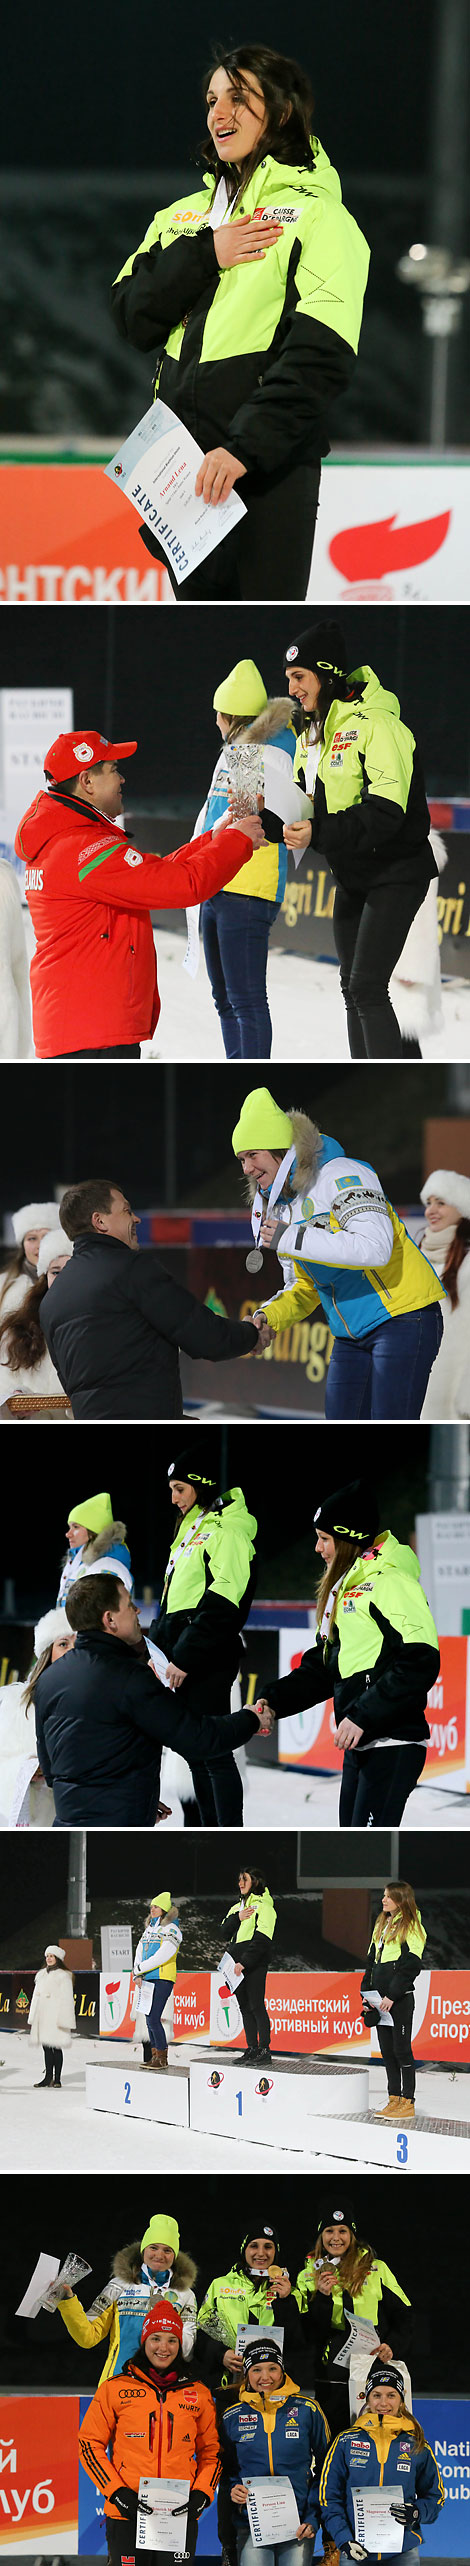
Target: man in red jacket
{"points": [[94, 984]]}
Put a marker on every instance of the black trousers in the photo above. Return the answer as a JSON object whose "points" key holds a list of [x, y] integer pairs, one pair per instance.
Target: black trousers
{"points": [[54, 2059], [218, 1787], [268, 554], [370, 928], [396, 2051], [375, 1787], [250, 1997], [121, 2536]]}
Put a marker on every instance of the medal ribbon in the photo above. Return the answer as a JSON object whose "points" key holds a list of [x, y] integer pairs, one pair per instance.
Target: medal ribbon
{"points": [[261, 1209], [185, 1544]]}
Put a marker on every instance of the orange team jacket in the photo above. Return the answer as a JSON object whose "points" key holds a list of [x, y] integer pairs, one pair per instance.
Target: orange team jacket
{"points": [[90, 891], [152, 2434]]}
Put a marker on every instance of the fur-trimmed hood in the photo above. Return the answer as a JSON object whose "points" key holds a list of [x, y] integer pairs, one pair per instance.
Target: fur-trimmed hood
{"points": [[101, 1543], [277, 716], [127, 2266], [308, 1141]]}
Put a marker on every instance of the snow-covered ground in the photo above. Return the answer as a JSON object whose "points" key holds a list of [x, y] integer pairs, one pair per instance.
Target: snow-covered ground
{"points": [[53, 2132], [307, 1010], [275, 1798]]}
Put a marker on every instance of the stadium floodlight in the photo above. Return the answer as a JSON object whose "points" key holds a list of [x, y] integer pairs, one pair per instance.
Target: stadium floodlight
{"points": [[442, 280]]}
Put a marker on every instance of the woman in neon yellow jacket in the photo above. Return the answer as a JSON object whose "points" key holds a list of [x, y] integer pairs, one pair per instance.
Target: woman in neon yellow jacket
{"points": [[376, 1652], [394, 1960], [360, 764], [343, 2277], [250, 1948], [249, 295]]}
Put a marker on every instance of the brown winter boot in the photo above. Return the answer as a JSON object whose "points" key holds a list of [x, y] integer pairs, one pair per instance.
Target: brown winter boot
{"points": [[160, 2058]]}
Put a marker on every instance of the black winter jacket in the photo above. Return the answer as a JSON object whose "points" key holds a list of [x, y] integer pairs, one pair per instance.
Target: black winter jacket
{"points": [[101, 1721], [114, 1321], [388, 1702]]}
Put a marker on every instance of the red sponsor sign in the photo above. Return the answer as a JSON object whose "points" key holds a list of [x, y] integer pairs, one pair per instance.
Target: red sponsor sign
{"points": [[192, 2007], [39, 2481], [447, 1714], [67, 540]]}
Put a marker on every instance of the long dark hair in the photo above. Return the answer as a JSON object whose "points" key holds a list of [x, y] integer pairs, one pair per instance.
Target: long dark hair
{"points": [[333, 690], [17, 1264], [288, 98], [22, 1336], [455, 1258], [257, 1883]]}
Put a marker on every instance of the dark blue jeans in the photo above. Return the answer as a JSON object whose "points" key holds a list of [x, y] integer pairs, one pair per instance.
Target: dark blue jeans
{"points": [[235, 931], [155, 2031], [385, 1374]]}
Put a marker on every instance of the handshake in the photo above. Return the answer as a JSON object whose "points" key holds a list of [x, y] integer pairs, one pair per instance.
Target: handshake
{"points": [[261, 1323]]}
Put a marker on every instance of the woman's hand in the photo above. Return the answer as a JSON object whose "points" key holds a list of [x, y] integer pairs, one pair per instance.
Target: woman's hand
{"points": [[386, 2004], [263, 1713], [384, 2352], [283, 2287], [348, 1734], [237, 1969], [326, 2283], [304, 2531], [162, 1812], [298, 835], [268, 1228], [176, 1676], [217, 474], [233, 2361], [248, 237], [239, 2495]]}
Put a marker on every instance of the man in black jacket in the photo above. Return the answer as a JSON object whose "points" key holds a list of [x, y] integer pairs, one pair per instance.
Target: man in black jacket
{"points": [[114, 1320], [102, 1718]]}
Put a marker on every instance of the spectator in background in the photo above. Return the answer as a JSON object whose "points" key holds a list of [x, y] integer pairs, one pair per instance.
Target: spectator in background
{"points": [[28, 1380], [25, 1798], [446, 1241]]}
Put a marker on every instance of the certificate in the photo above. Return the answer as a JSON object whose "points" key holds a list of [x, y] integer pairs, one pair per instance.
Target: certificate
{"points": [[249, 2335], [158, 1661], [374, 2527], [156, 469], [281, 794], [362, 2337], [165, 2525], [226, 1972], [272, 2510]]}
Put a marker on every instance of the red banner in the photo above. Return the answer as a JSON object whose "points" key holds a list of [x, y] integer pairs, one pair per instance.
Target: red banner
{"points": [[39, 2474], [67, 540], [320, 2014]]}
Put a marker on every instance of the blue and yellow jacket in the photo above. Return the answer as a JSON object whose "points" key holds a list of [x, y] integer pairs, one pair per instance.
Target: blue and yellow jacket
{"points": [[342, 1246], [278, 2435], [264, 878], [376, 2452]]}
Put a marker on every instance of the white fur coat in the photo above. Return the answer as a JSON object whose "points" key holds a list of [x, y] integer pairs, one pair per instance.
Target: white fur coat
{"points": [[448, 1390]]}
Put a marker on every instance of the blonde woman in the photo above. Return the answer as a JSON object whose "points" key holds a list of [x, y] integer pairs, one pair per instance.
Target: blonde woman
{"points": [[343, 2277], [384, 2438], [393, 1962]]}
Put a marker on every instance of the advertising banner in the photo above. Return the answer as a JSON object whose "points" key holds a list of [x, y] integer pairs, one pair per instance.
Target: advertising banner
{"points": [[393, 531], [39, 2475], [16, 1988], [66, 540], [308, 1740], [446, 2423], [314, 2011], [304, 923]]}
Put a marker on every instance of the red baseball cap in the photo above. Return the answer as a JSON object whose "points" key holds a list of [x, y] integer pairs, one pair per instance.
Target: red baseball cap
{"points": [[162, 2314], [75, 749]]}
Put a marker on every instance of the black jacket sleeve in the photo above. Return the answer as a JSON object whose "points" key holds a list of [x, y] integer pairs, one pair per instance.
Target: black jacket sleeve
{"points": [[252, 1955], [402, 1684], [177, 1315], [293, 401], [163, 1717], [196, 1646], [309, 1683], [164, 284], [367, 825], [395, 1977]]}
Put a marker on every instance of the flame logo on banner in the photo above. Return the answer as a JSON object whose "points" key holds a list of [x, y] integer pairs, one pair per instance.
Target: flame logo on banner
{"points": [[368, 552]]}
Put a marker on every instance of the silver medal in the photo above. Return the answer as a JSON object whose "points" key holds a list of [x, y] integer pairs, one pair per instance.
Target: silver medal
{"points": [[254, 1260]]}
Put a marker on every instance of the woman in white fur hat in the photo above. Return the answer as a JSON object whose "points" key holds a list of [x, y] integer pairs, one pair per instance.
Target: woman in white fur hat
{"points": [[51, 2018], [29, 1226], [29, 1384], [25, 1798], [446, 1243]]}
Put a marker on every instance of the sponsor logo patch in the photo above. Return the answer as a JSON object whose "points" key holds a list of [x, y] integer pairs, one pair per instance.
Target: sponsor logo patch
{"points": [[34, 879], [132, 857], [84, 751]]}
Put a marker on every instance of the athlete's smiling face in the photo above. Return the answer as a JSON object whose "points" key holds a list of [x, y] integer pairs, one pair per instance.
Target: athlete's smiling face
{"points": [[262, 1164], [305, 685], [236, 118]]}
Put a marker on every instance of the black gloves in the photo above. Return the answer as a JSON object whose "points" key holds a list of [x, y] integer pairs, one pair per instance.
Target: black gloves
{"points": [[125, 2501], [406, 2513], [353, 2550]]}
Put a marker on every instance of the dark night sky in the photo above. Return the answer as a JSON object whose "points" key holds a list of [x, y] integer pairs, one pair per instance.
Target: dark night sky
{"points": [[129, 98], [162, 695], [63, 1124], [402, 2220], [282, 1480]]}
